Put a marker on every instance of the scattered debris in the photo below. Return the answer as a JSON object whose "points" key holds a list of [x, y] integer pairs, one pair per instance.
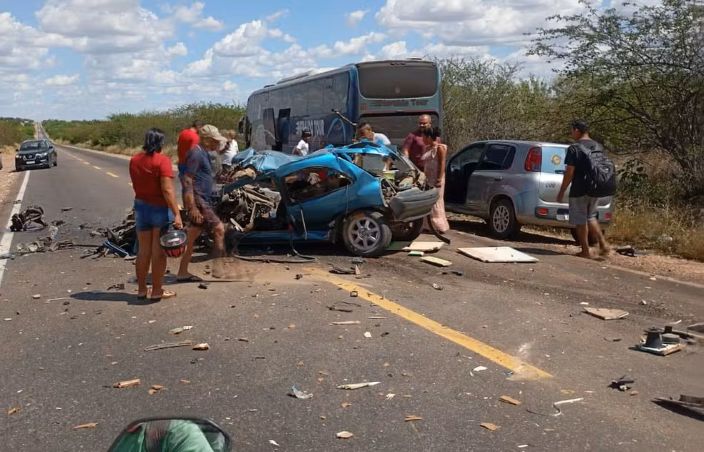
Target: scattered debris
{"points": [[127, 383], [435, 261], [203, 285], [335, 307], [23, 221], [489, 426], [606, 314], [661, 342], [341, 271], [180, 329], [346, 322], [457, 272], [352, 386], [13, 410], [358, 260], [354, 294], [88, 425], [698, 327], [509, 400], [613, 339], [623, 383], [478, 369], [36, 296], [299, 276], [367, 334], [345, 404], [298, 394], [119, 286], [629, 251], [66, 209], [557, 404], [168, 345], [416, 253], [390, 396], [497, 254], [344, 435], [412, 417], [185, 382], [155, 388], [424, 246], [274, 443], [437, 286], [691, 404], [201, 346]]}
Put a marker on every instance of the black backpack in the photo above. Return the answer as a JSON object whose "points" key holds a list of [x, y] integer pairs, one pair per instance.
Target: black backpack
{"points": [[600, 173]]}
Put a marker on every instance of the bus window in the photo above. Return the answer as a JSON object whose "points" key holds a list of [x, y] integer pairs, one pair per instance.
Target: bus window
{"points": [[384, 80]]}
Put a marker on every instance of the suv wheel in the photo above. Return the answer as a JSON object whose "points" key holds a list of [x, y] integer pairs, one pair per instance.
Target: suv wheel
{"points": [[366, 233], [502, 220]]}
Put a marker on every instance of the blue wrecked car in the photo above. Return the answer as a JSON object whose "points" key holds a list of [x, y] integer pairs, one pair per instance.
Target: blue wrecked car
{"points": [[362, 195]]}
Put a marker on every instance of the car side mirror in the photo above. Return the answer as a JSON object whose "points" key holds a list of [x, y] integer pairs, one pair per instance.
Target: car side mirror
{"points": [[199, 434]]}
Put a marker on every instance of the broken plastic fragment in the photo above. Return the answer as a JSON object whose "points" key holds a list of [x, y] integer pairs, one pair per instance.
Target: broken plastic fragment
{"points": [[127, 383], [351, 386], [489, 426], [344, 435], [411, 417], [298, 394], [201, 346], [509, 400], [88, 425]]}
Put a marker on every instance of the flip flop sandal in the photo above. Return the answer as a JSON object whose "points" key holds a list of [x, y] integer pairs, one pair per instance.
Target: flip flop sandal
{"points": [[189, 278], [164, 295]]}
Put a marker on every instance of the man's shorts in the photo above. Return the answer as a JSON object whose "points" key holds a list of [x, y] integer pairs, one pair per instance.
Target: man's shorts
{"points": [[210, 218], [582, 209], [149, 216]]}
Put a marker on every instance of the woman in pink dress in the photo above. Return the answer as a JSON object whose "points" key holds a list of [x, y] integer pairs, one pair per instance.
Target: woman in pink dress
{"points": [[434, 159]]}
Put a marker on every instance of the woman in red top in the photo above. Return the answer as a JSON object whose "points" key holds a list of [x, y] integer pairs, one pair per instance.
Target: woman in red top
{"points": [[155, 206]]}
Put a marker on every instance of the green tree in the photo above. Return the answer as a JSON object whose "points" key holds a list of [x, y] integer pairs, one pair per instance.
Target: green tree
{"points": [[637, 72]]}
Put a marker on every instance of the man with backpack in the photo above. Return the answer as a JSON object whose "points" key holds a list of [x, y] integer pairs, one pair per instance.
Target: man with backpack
{"points": [[592, 176]]}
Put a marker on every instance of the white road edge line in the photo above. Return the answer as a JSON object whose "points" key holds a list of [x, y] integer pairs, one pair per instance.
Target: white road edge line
{"points": [[6, 241]]}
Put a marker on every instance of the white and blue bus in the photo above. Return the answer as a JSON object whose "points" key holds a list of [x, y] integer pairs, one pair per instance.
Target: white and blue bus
{"points": [[387, 94]]}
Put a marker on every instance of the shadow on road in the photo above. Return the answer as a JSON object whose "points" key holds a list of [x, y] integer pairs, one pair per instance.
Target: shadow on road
{"points": [[128, 298], [482, 230], [539, 251]]}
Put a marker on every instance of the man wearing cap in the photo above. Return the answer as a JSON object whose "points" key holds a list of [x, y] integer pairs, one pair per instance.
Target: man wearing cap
{"points": [[302, 146], [198, 186]]}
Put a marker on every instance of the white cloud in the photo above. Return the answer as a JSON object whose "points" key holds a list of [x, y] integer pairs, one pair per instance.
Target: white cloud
{"points": [[178, 49], [62, 80], [22, 47], [277, 15], [358, 45], [393, 51], [194, 15], [473, 22], [246, 40], [229, 86], [355, 17]]}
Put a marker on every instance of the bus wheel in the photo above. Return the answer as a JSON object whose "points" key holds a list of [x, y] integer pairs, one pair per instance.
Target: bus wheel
{"points": [[366, 233]]}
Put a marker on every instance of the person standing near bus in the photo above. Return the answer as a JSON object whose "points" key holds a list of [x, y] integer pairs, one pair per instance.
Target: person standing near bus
{"points": [[302, 147], [413, 145], [187, 140], [434, 158], [366, 132]]}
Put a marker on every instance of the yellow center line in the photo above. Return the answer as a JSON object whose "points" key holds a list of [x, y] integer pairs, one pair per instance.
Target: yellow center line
{"points": [[111, 174], [97, 167], [521, 370]]}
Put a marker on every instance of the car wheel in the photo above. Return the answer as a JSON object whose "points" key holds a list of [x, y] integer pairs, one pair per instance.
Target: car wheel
{"points": [[502, 220], [593, 241], [408, 231], [366, 234]]}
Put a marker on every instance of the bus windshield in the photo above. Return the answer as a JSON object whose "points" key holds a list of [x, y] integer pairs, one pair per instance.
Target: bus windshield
{"points": [[395, 81]]}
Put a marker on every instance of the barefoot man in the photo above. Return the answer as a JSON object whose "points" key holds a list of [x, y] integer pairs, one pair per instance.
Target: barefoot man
{"points": [[198, 186], [582, 206]]}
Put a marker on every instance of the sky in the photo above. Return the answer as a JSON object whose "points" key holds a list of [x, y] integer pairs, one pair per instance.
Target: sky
{"points": [[86, 59]]}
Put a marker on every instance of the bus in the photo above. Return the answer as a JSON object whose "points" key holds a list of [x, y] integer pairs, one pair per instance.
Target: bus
{"points": [[387, 94]]}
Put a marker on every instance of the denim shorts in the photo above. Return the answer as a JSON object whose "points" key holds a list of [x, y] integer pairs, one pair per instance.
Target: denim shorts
{"points": [[149, 216], [582, 209]]}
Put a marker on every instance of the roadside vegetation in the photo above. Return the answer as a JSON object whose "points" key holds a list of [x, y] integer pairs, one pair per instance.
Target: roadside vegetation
{"points": [[124, 132], [15, 130], [636, 73]]}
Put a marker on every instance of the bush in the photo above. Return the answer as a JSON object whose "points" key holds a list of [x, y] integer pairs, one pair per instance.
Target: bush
{"points": [[15, 130]]}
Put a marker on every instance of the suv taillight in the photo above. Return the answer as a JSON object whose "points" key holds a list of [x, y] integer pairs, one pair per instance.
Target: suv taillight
{"points": [[534, 160]]}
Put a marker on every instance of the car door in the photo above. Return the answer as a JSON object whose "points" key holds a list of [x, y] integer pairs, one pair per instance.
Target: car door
{"points": [[459, 169], [315, 196], [488, 176]]}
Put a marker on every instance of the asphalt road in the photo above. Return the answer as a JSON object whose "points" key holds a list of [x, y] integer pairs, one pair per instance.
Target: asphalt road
{"points": [[270, 330]]}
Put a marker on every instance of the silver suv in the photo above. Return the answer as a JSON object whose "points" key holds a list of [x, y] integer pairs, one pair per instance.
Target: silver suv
{"points": [[512, 183]]}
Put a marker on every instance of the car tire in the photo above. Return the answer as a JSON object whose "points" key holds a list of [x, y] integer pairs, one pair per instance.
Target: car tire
{"points": [[408, 231], [502, 220], [592, 240], [366, 234]]}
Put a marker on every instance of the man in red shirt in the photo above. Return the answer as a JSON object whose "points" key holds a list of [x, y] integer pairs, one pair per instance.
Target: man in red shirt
{"points": [[413, 146], [187, 140]]}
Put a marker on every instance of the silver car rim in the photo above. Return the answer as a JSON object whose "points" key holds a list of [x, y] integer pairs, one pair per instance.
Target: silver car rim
{"points": [[364, 234], [501, 219]]}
